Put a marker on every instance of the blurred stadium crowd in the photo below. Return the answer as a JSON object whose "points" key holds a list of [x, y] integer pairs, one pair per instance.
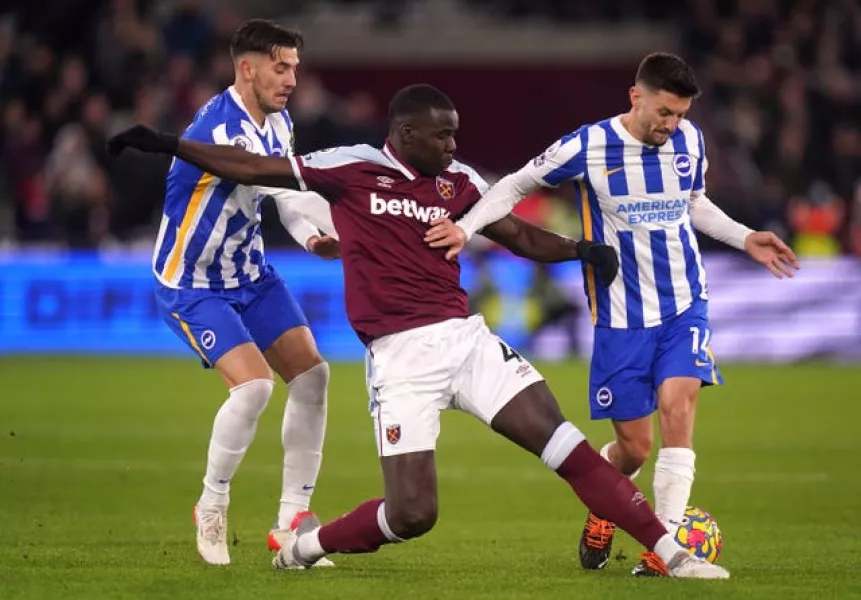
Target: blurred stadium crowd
{"points": [[781, 108]]}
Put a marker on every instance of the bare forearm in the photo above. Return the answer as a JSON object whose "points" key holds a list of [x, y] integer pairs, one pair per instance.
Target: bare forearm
{"points": [[545, 246], [530, 241], [233, 164]]}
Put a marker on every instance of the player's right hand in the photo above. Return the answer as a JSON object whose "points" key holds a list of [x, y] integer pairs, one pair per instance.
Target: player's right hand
{"points": [[445, 234], [144, 139], [324, 246], [604, 258]]}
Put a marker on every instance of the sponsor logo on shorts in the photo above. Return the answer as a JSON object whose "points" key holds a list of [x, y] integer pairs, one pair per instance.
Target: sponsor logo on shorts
{"points": [[207, 339], [604, 397], [524, 369], [393, 434]]}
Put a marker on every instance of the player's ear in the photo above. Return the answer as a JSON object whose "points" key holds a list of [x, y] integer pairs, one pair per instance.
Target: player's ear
{"points": [[245, 68], [636, 95], [406, 131]]}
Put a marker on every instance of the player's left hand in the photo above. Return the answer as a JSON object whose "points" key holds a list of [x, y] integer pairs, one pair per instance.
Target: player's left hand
{"points": [[604, 258], [144, 139], [769, 250], [445, 234], [324, 246]]}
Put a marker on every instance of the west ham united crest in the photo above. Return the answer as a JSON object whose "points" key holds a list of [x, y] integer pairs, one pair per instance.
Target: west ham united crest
{"points": [[445, 188], [393, 434]]}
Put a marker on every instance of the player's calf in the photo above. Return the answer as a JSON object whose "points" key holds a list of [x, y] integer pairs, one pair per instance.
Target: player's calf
{"points": [[363, 530], [627, 454], [409, 510]]}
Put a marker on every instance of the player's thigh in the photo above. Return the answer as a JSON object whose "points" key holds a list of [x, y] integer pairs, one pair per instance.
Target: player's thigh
{"points": [[242, 364], [409, 382], [269, 310], [210, 326], [621, 386], [684, 351], [491, 374], [293, 353]]}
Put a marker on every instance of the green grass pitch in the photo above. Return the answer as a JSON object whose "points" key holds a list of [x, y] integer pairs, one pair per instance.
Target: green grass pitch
{"points": [[101, 460]]}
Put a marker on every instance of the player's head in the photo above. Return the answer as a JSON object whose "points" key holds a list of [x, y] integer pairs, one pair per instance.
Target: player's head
{"points": [[662, 93], [422, 124], [265, 57]]}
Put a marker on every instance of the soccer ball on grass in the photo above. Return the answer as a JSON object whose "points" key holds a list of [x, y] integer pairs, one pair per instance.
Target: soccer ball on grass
{"points": [[700, 535]]}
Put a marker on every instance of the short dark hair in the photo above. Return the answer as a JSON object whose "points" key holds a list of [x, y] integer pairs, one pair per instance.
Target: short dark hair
{"points": [[668, 72], [264, 37], [417, 99]]}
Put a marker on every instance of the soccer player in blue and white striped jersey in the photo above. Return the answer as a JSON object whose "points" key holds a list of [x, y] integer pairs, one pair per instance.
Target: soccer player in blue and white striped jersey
{"points": [[640, 178], [216, 291]]}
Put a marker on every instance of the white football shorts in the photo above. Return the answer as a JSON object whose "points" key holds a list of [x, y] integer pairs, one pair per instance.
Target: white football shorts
{"points": [[456, 364]]}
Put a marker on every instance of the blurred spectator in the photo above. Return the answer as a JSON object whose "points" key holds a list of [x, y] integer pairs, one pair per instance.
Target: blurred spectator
{"points": [[784, 93], [188, 32], [138, 178], [24, 159], [78, 188]]}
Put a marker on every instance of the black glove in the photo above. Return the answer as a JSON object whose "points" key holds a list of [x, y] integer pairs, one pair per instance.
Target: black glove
{"points": [[144, 139], [604, 258]]}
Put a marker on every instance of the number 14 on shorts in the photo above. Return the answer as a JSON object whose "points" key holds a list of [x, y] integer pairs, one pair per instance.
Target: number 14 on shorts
{"points": [[700, 338]]}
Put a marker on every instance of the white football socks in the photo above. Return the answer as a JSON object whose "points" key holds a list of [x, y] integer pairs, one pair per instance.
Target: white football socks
{"points": [[667, 548], [605, 453], [232, 433], [308, 547], [302, 434], [674, 477]]}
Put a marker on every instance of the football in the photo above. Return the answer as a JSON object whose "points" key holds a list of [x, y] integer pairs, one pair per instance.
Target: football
{"points": [[700, 534]]}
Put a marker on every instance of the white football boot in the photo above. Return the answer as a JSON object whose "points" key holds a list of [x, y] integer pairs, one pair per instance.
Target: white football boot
{"points": [[287, 557], [685, 566], [278, 538], [211, 523]]}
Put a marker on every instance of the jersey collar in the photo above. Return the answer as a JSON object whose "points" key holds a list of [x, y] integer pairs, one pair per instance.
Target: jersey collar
{"points": [[400, 165], [616, 124], [237, 99]]}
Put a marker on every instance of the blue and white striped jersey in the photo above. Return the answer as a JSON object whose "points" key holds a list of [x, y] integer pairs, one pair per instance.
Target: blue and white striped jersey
{"points": [[210, 230], [635, 198]]}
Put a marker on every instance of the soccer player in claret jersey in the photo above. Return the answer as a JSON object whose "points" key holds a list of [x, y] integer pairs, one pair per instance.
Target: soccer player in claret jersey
{"points": [[425, 352], [215, 290], [641, 181]]}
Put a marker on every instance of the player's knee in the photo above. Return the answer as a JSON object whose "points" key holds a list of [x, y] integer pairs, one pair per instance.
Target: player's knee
{"points": [[678, 411], [309, 359], [248, 400], [412, 519], [310, 386]]}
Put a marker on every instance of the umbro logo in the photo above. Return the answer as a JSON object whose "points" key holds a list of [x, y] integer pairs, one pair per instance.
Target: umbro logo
{"points": [[385, 182]]}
